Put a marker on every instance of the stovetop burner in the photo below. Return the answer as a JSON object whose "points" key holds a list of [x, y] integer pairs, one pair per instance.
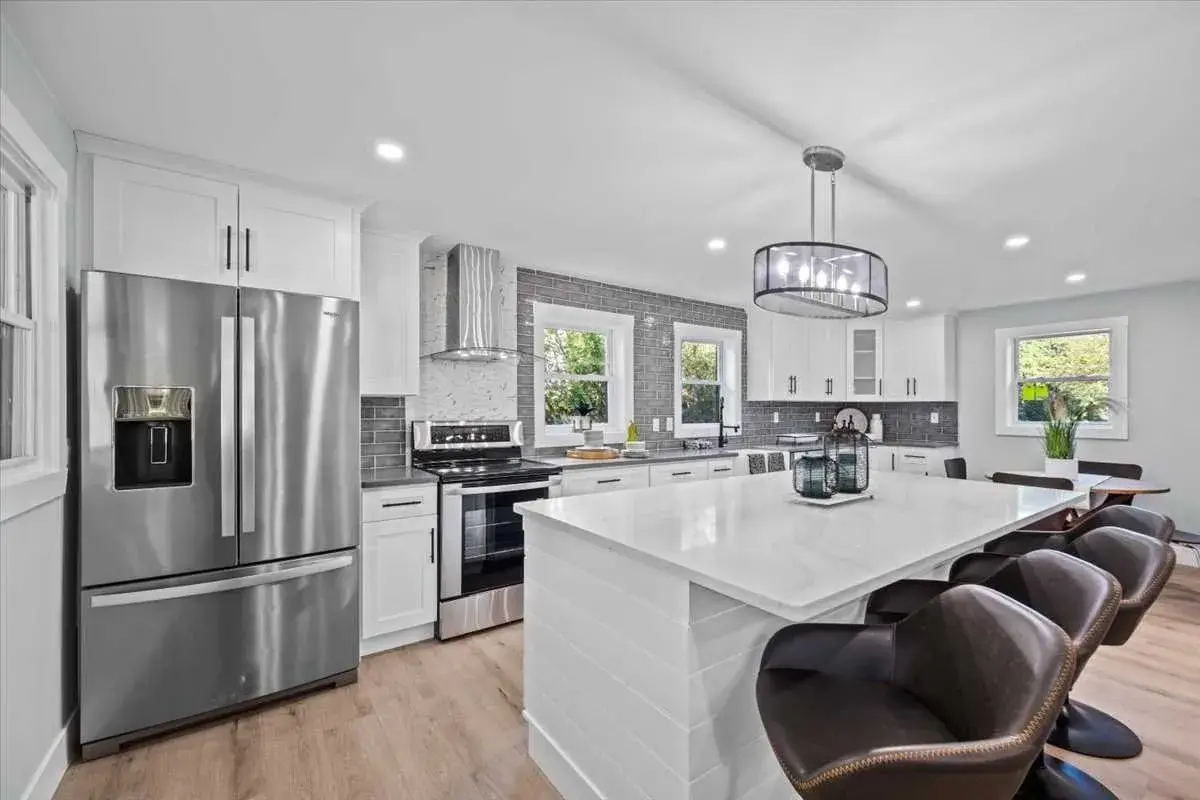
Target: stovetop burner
{"points": [[474, 451]]}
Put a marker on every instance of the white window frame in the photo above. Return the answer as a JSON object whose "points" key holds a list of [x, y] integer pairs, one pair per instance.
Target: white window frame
{"points": [[1117, 328], [729, 364], [40, 477], [619, 330]]}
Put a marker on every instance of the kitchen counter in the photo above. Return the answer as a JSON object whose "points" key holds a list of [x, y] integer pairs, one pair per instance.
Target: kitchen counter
{"points": [[647, 610], [655, 457], [396, 476], [916, 443]]}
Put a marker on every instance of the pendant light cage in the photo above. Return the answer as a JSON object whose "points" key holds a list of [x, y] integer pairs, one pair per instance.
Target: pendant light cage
{"points": [[817, 278]]}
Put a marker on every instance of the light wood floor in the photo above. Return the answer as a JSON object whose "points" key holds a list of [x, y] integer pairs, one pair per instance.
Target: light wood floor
{"points": [[443, 722]]}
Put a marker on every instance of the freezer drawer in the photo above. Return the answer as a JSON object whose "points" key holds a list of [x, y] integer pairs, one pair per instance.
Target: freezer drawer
{"points": [[157, 652]]}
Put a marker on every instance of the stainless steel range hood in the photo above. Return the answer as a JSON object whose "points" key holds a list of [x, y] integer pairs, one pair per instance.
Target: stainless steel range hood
{"points": [[473, 315]]}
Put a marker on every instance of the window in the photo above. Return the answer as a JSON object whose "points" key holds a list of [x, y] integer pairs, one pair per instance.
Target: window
{"points": [[586, 369], [33, 192], [1084, 363], [16, 318], [707, 371]]}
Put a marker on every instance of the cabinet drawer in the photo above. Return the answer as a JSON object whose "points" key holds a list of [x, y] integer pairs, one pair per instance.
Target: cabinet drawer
{"points": [[607, 479], [721, 468], [914, 460], [397, 502], [681, 472]]}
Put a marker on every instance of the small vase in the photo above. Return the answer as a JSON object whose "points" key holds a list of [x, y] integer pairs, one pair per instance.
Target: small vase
{"points": [[1062, 467]]}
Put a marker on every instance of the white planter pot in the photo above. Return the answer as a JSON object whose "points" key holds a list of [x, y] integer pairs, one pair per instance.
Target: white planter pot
{"points": [[1063, 467]]}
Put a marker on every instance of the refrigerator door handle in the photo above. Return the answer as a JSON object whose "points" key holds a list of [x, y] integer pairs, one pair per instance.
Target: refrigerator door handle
{"points": [[248, 382], [328, 564], [228, 427]]}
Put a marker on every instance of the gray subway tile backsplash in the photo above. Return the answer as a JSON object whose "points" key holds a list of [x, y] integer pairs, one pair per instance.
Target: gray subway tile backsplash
{"points": [[384, 437]]}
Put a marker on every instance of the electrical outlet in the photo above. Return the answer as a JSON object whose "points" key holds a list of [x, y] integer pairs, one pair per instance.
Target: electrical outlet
{"points": [[670, 423], [654, 424], [933, 417], [775, 417], [817, 416]]}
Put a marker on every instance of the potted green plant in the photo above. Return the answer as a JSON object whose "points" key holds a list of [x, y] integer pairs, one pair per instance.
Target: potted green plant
{"points": [[581, 415], [1063, 417]]}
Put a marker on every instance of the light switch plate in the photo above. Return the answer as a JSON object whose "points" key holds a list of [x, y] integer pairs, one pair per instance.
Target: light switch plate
{"points": [[670, 423], [933, 417], [654, 424], [775, 417], [817, 416]]}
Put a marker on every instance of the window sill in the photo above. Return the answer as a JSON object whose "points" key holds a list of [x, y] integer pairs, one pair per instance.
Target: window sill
{"points": [[1034, 429], [27, 487], [611, 436], [700, 431]]}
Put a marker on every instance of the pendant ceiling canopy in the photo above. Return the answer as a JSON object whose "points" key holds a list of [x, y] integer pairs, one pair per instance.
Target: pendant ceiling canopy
{"points": [[820, 279]]}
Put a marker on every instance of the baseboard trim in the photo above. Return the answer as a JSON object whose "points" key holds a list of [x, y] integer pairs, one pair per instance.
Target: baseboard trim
{"points": [[49, 773], [558, 767], [390, 641]]}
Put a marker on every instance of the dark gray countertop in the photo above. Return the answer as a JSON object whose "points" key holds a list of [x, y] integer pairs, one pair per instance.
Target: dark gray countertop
{"points": [[659, 457], [396, 476], [916, 443]]}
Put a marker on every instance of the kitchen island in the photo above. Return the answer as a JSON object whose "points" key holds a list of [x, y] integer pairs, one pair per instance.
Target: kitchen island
{"points": [[646, 612]]}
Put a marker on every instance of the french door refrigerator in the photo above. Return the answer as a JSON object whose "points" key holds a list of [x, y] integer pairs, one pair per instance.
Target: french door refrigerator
{"points": [[219, 500]]}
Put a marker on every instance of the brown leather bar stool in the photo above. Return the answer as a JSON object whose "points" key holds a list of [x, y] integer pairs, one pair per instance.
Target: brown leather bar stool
{"points": [[1079, 597], [1116, 470], [1141, 564], [1139, 520], [953, 702]]}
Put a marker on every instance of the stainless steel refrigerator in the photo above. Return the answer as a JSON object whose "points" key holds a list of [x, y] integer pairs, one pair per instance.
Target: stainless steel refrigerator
{"points": [[219, 500]]}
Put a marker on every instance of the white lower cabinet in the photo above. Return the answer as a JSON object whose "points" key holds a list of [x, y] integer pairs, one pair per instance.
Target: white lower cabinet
{"points": [[882, 459], [722, 468], [924, 460], [604, 479], [399, 577], [678, 472]]}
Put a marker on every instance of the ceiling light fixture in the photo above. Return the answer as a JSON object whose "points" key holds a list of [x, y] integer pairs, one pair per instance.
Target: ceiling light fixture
{"points": [[389, 151], [914, 303], [807, 289], [1016, 241], [1076, 277], [716, 245]]}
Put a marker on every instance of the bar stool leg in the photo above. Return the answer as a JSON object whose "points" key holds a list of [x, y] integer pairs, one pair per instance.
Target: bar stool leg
{"points": [[1052, 778], [1089, 731]]}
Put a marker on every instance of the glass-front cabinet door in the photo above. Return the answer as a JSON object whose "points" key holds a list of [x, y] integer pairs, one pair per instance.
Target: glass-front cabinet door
{"points": [[864, 360]]}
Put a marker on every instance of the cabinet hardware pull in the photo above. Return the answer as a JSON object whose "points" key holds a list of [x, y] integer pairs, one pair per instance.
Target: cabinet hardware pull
{"points": [[881, 387], [676, 474], [431, 545], [228, 247], [722, 469], [247, 249], [609, 480], [402, 503], [914, 387], [908, 387]]}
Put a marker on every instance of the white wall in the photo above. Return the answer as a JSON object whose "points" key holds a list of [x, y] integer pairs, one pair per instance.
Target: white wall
{"points": [[37, 566], [1164, 390]]}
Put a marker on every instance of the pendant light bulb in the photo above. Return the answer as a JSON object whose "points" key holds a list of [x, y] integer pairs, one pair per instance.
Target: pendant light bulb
{"points": [[841, 283], [822, 279], [804, 272], [783, 267]]}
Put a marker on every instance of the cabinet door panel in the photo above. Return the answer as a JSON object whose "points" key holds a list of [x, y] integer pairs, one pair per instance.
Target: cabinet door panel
{"points": [[390, 317], [681, 472], [399, 587], [790, 358], [897, 361], [864, 360], [150, 221], [293, 243]]}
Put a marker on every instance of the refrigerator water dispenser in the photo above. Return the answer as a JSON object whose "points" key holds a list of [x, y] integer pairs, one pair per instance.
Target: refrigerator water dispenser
{"points": [[152, 437]]}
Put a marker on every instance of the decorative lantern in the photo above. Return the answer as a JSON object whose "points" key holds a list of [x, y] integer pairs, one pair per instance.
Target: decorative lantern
{"points": [[814, 475], [849, 449]]}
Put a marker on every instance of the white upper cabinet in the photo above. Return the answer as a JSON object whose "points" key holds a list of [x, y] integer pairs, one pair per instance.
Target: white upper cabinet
{"points": [[825, 378], [864, 360], [390, 314], [776, 356], [149, 221], [897, 361], [174, 217], [294, 243], [932, 344]]}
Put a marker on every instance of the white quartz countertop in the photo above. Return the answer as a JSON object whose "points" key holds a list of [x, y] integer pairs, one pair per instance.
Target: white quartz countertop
{"points": [[747, 537]]}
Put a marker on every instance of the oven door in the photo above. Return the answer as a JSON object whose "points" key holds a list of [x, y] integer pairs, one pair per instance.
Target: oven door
{"points": [[483, 540]]}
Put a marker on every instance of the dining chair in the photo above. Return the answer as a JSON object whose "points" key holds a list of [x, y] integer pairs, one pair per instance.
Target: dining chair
{"points": [[1115, 470], [956, 468], [1040, 481]]}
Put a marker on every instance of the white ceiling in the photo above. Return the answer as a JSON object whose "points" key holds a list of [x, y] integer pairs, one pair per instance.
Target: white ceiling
{"points": [[613, 140]]}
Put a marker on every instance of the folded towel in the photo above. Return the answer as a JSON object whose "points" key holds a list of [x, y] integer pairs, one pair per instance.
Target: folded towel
{"points": [[760, 463]]}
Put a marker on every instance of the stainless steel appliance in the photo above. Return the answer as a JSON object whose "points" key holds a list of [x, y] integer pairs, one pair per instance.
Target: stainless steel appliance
{"points": [[482, 540], [219, 517]]}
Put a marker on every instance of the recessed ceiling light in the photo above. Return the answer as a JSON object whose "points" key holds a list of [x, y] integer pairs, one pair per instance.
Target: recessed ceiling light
{"points": [[1076, 277], [1016, 241], [389, 151], [716, 245], [914, 303]]}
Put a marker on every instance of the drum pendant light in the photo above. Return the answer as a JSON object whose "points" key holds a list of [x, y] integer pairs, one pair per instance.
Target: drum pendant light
{"points": [[820, 279]]}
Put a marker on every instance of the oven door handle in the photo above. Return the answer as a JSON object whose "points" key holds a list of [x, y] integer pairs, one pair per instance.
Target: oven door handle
{"points": [[507, 487]]}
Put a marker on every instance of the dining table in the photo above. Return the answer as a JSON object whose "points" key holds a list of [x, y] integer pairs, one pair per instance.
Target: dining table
{"points": [[1100, 486]]}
